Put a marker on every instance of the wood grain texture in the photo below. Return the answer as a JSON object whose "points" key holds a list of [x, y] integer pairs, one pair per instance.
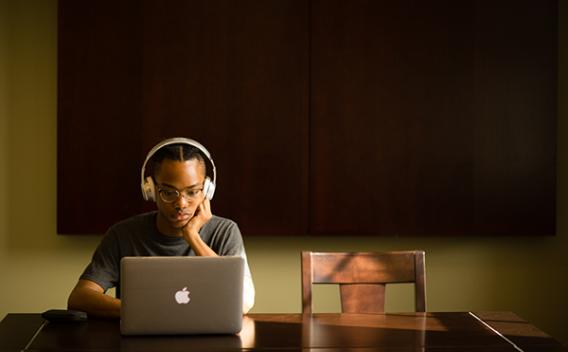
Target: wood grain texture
{"points": [[433, 118], [362, 277], [324, 117], [232, 75], [450, 331]]}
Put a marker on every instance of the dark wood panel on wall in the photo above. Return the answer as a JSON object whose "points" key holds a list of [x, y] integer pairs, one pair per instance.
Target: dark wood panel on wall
{"points": [[231, 74], [324, 117], [99, 105], [433, 118]]}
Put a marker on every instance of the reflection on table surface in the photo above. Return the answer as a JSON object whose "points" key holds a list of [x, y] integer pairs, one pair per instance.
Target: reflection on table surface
{"points": [[450, 331]]}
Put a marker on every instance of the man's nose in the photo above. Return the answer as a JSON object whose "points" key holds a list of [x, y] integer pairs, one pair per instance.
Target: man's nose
{"points": [[181, 202]]}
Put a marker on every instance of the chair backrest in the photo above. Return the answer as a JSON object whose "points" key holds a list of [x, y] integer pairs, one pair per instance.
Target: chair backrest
{"points": [[362, 277]]}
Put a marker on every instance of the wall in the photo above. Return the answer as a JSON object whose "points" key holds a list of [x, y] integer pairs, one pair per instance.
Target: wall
{"points": [[38, 268]]}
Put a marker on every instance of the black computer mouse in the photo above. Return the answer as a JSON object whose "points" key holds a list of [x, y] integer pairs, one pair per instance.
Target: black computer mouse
{"points": [[64, 315]]}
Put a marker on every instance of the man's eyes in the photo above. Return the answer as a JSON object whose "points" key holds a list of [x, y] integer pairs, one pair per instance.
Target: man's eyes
{"points": [[189, 192], [193, 192]]}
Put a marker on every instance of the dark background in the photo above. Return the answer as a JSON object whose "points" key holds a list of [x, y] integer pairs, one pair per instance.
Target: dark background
{"points": [[323, 117]]}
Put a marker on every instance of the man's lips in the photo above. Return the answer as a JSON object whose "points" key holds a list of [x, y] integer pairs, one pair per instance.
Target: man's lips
{"points": [[181, 216]]}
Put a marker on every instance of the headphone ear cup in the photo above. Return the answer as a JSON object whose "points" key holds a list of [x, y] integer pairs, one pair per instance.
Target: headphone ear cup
{"points": [[149, 190], [208, 188]]}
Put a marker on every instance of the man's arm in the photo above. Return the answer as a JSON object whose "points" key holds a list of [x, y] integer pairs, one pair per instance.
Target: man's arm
{"points": [[191, 230], [248, 291], [89, 297], [191, 234]]}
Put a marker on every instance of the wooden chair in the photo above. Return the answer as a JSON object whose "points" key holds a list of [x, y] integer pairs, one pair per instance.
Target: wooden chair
{"points": [[362, 277]]}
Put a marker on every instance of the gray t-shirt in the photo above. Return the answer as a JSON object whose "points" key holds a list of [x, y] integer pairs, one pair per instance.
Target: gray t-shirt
{"points": [[139, 236]]}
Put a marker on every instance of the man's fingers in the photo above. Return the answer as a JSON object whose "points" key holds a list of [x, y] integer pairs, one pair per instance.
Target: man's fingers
{"points": [[206, 207]]}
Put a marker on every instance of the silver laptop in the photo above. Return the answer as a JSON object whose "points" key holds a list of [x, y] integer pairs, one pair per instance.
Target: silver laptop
{"points": [[181, 295]]}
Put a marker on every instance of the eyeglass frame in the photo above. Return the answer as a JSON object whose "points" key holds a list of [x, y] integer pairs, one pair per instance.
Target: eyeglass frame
{"points": [[179, 194]]}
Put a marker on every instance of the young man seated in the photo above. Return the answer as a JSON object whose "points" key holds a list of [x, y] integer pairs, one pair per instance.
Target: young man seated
{"points": [[182, 225]]}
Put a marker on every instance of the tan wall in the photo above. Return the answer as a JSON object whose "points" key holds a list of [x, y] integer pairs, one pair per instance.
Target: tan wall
{"points": [[38, 268]]}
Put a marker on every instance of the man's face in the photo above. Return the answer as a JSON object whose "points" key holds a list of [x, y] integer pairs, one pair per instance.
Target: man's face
{"points": [[185, 177]]}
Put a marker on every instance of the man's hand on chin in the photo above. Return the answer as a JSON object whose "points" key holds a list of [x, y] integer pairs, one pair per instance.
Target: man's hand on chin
{"points": [[201, 216]]}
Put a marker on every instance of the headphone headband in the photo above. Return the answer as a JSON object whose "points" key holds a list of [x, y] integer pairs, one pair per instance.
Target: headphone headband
{"points": [[147, 185]]}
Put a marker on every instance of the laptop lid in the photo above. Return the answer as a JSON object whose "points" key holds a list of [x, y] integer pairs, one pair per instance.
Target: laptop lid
{"points": [[181, 295]]}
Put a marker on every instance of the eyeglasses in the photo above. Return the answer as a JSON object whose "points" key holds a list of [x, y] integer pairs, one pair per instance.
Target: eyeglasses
{"points": [[170, 195]]}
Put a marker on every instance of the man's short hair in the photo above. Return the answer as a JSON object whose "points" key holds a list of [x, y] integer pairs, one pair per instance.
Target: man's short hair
{"points": [[175, 152]]}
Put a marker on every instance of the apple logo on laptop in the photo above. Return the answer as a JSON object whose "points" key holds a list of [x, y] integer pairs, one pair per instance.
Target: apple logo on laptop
{"points": [[182, 296]]}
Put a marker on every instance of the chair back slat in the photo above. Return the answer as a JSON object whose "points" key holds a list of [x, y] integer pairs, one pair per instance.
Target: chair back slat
{"points": [[362, 277], [362, 298], [363, 267]]}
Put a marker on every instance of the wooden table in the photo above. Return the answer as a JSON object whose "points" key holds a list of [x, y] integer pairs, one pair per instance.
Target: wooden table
{"points": [[397, 332]]}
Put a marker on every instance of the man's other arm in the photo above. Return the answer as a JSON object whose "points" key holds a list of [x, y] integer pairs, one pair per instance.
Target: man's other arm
{"points": [[248, 291], [89, 297]]}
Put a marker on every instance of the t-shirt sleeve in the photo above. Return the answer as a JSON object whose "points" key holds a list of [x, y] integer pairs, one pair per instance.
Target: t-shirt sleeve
{"points": [[104, 268]]}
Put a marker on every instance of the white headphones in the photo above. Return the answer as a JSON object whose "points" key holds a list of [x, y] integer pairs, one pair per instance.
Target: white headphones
{"points": [[147, 184]]}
